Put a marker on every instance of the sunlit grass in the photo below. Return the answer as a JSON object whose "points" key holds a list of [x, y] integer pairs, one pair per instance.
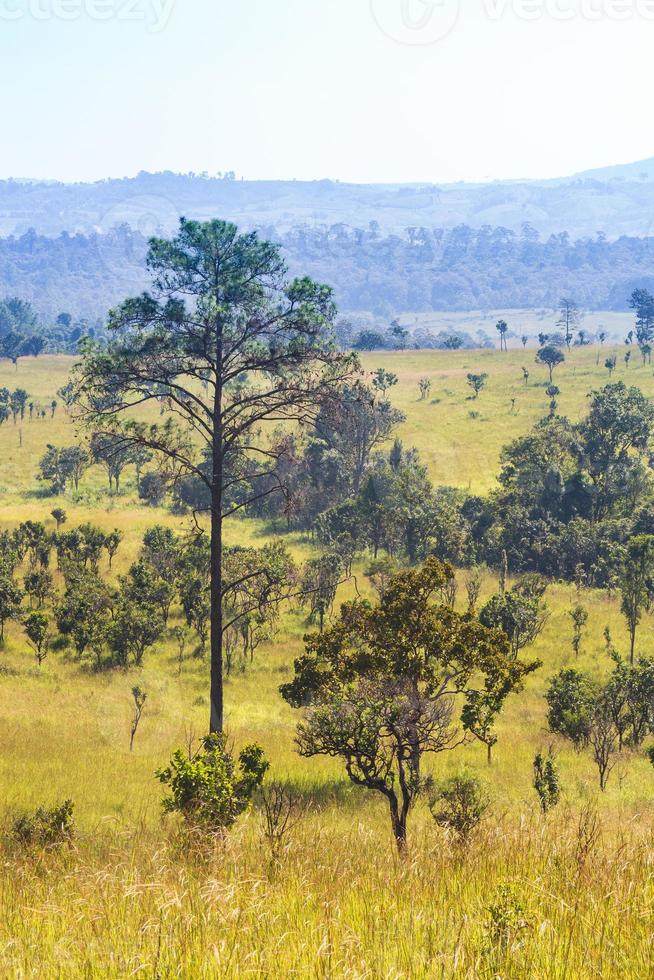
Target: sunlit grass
{"points": [[129, 899]]}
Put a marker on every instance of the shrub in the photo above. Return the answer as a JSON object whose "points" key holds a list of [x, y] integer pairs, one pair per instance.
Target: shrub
{"points": [[459, 804], [45, 827], [208, 789]]}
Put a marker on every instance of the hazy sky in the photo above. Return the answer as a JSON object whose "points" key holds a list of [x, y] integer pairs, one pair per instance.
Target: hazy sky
{"points": [[362, 90]]}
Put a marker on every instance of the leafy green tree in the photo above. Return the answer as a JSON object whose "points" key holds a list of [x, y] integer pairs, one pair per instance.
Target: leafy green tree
{"points": [[610, 364], [11, 597], [425, 388], [63, 465], [502, 328], [59, 516], [570, 699], [83, 615], [382, 380], [380, 687], [636, 584], [477, 382], [613, 440], [112, 544], [209, 789], [546, 780], [520, 613], [37, 629], [551, 357], [134, 629], [459, 804], [579, 616], [221, 313]]}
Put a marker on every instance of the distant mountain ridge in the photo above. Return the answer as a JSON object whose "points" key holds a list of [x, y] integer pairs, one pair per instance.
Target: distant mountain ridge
{"points": [[615, 200]]}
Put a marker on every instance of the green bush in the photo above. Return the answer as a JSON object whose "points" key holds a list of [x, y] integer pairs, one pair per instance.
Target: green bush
{"points": [[45, 827], [209, 789], [459, 804]]}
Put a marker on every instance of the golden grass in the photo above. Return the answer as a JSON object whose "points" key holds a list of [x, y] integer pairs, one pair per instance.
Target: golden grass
{"points": [[130, 900]]}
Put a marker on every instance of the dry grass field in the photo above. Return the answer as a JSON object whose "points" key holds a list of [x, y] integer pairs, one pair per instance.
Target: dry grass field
{"points": [[563, 897]]}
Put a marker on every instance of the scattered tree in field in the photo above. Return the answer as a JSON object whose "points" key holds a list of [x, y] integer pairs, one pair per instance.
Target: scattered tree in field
{"points": [[220, 313], [477, 382], [112, 544], [63, 466], [425, 388], [583, 712], [610, 364], [382, 380], [153, 488], [546, 780], [139, 697], [579, 617], [636, 584], [502, 328], [646, 353], [525, 375], [400, 335], [520, 613], [135, 628], [473, 585], [18, 403], [551, 357], [38, 586], [11, 597], [37, 629], [569, 319], [601, 337], [642, 303], [84, 613], [627, 359], [525, 340], [459, 804], [59, 516], [320, 580], [380, 687], [208, 788]]}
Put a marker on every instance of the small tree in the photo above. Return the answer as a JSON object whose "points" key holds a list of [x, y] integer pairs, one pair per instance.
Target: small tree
{"points": [[502, 328], [459, 804], [477, 382], [636, 583], [551, 357], [207, 788], [112, 544], [569, 319], [546, 780], [610, 365], [59, 516], [525, 340], [525, 375], [10, 599], [382, 380], [139, 697], [425, 388], [579, 617], [380, 687], [37, 629]]}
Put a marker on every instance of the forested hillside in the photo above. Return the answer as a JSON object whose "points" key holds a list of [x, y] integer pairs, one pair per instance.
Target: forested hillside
{"points": [[419, 270]]}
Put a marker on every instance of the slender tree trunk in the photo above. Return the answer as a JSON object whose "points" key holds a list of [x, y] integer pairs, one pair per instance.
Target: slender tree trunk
{"points": [[217, 709], [398, 822], [489, 754], [632, 643]]}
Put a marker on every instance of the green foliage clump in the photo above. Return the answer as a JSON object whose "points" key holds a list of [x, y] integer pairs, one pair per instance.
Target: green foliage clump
{"points": [[208, 789], [546, 780], [46, 827], [459, 804]]}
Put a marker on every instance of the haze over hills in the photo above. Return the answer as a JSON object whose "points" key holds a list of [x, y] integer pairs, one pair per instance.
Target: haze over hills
{"points": [[614, 200], [387, 249]]}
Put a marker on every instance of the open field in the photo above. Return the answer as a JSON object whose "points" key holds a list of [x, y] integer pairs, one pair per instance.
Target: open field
{"points": [[131, 899]]}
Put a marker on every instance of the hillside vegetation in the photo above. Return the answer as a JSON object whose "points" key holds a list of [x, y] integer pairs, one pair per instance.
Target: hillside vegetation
{"points": [[567, 895]]}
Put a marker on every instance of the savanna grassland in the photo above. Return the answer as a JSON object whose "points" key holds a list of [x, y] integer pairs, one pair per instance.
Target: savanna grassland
{"points": [[570, 895]]}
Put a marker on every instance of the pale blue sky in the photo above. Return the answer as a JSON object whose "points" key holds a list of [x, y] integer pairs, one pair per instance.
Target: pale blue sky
{"points": [[350, 89]]}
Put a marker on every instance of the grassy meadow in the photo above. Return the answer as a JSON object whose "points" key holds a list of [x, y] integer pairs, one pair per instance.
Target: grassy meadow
{"points": [[570, 896]]}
